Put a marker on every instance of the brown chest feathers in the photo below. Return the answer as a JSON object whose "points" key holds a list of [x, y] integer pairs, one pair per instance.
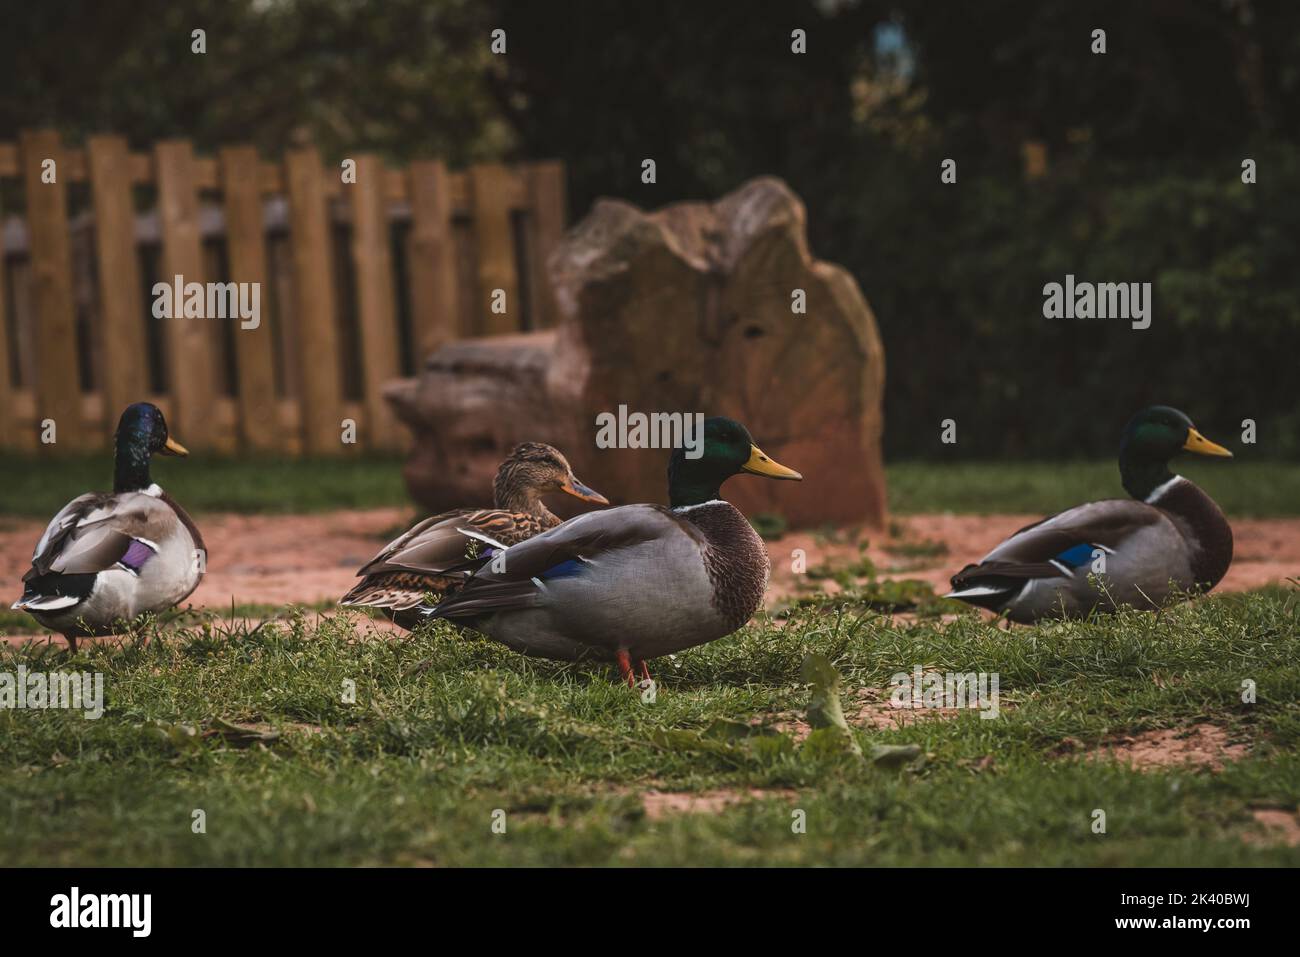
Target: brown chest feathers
{"points": [[1205, 528], [735, 558]]}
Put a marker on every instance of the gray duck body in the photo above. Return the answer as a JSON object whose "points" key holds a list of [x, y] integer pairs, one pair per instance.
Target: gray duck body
{"points": [[641, 579], [107, 558], [1176, 541]]}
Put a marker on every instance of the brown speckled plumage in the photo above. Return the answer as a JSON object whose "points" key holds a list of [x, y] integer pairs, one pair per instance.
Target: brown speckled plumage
{"points": [[1205, 528], [402, 590], [430, 559], [735, 558], [531, 470]]}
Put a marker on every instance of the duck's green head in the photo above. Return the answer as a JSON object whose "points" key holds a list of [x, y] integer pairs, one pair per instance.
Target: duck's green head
{"points": [[141, 432], [1153, 437], [726, 449]]}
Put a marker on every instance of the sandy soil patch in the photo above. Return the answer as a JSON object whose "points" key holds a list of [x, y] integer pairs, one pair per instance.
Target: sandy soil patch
{"points": [[659, 804], [874, 709], [1275, 827], [277, 559], [304, 559], [252, 559], [866, 708], [1202, 745], [1266, 551], [262, 559]]}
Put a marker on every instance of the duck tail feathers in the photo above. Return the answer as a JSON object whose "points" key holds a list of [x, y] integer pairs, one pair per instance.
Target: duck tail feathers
{"points": [[485, 597], [45, 602], [985, 588], [398, 591]]}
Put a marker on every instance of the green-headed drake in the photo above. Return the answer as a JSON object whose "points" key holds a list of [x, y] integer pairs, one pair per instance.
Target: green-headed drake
{"points": [[108, 557], [433, 558], [636, 582], [1169, 538]]}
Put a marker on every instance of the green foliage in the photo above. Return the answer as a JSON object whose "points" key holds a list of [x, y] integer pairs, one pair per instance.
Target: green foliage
{"points": [[923, 549], [1218, 254], [887, 595], [1143, 177], [769, 524], [1143, 185], [408, 78]]}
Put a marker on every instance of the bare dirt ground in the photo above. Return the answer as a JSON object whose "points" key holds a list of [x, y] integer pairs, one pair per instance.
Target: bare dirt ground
{"points": [[659, 804], [255, 559], [1202, 745], [866, 708], [1276, 826], [252, 559], [1266, 550], [306, 559]]}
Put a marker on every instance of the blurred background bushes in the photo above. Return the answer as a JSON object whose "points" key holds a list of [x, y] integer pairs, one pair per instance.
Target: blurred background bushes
{"points": [[1142, 179]]}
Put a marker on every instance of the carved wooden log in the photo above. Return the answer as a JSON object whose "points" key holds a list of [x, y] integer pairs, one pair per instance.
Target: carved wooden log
{"points": [[688, 309]]}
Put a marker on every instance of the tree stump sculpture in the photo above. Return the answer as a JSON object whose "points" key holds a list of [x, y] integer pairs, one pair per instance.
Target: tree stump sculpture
{"points": [[688, 309]]}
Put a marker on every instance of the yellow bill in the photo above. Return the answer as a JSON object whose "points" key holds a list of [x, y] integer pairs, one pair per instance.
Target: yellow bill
{"points": [[174, 447], [760, 464], [1202, 446]]}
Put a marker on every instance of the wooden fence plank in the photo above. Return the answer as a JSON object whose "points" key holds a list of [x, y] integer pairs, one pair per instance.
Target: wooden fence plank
{"points": [[395, 186], [546, 201], [453, 271], [256, 403], [494, 240], [207, 175], [435, 310], [189, 352], [58, 382], [270, 178], [121, 337], [314, 303], [376, 312]]}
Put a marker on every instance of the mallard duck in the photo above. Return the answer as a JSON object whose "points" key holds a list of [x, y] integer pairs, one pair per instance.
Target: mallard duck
{"points": [[636, 582], [431, 558], [106, 558], [1170, 538]]}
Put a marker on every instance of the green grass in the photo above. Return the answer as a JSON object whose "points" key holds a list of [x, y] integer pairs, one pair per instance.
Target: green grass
{"points": [[1242, 489], [21, 623], [448, 729], [38, 488]]}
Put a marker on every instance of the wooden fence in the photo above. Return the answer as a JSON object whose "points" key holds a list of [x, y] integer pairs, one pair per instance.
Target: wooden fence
{"points": [[359, 281]]}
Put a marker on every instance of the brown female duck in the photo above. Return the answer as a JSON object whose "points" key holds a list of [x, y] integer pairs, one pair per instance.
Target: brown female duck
{"points": [[431, 558]]}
